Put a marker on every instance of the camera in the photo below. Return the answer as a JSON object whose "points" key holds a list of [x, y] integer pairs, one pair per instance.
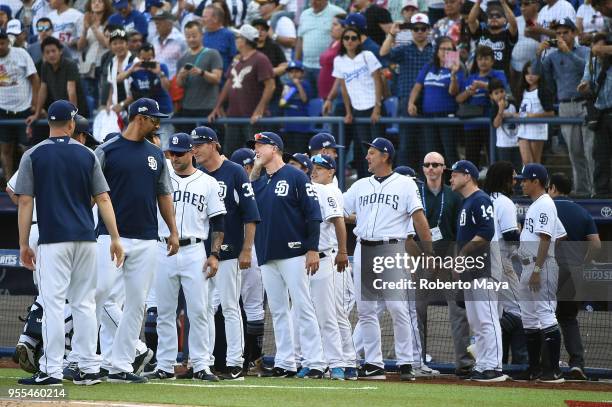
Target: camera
{"points": [[188, 67], [148, 64], [553, 43]]}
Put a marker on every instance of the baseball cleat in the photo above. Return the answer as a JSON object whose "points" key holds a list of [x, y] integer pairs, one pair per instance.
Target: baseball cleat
{"points": [[350, 373], [161, 375], [406, 373], [551, 377], [86, 379], [125, 377], [337, 373], [278, 373], [71, 371], [302, 372], [232, 373], [254, 367], [527, 375], [488, 376], [40, 379], [188, 374], [206, 375], [314, 374], [103, 374], [425, 371], [24, 353], [575, 374], [464, 373], [372, 372], [141, 361]]}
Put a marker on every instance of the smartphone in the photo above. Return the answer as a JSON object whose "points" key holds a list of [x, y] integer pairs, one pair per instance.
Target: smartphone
{"points": [[405, 26], [450, 58], [188, 67], [148, 64]]}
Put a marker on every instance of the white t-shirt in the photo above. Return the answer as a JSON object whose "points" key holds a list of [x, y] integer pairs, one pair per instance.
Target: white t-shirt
{"points": [[524, 49], [506, 136], [331, 203], [558, 12], [541, 217], [286, 28], [531, 104], [290, 5], [40, 9], [67, 26], [15, 87], [592, 20], [357, 75]]}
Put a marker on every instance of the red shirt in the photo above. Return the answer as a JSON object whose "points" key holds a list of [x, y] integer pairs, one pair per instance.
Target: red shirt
{"points": [[326, 80], [247, 79]]}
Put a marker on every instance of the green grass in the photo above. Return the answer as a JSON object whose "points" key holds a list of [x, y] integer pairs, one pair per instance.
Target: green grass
{"points": [[293, 392]]}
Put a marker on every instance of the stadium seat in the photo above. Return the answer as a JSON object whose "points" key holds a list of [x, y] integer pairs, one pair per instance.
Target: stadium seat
{"points": [[391, 110]]}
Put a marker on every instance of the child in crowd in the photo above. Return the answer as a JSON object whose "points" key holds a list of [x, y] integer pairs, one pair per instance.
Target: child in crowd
{"points": [[294, 102], [507, 143]]}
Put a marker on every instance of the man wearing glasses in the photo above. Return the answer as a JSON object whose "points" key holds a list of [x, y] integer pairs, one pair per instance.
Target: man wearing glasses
{"points": [[137, 174], [44, 29], [441, 206]]}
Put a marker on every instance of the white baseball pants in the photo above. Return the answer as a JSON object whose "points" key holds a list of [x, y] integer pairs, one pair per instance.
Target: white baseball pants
{"points": [[538, 308], [252, 291], [344, 294]]}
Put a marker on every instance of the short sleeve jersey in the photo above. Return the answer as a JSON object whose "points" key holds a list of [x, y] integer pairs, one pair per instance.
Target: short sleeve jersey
{"points": [[541, 218], [62, 175], [579, 224], [383, 209], [137, 173], [501, 44], [331, 204], [287, 202], [236, 192]]}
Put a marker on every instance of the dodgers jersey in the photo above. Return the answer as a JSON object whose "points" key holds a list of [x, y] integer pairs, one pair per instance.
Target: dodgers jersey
{"points": [[63, 175], [287, 202], [541, 217], [330, 202], [137, 173], [383, 209], [236, 192], [196, 200]]}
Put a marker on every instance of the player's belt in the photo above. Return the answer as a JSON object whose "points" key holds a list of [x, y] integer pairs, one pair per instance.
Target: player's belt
{"points": [[182, 242], [378, 242], [525, 261]]}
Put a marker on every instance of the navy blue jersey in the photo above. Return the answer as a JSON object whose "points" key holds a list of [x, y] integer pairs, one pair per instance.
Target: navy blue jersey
{"points": [[63, 175], [579, 224], [137, 173], [286, 202], [237, 195]]}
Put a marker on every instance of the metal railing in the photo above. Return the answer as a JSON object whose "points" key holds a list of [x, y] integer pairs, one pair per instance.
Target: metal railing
{"points": [[341, 126]]}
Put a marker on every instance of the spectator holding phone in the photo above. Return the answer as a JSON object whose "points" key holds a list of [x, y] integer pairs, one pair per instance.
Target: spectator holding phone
{"points": [[409, 8], [506, 146], [438, 82], [500, 32]]}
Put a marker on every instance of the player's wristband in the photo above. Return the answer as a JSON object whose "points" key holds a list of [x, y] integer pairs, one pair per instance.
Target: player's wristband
{"points": [[537, 269], [215, 254]]}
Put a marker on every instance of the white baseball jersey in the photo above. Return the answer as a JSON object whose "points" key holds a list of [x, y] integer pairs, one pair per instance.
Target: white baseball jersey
{"points": [[383, 208], [66, 26], [505, 214], [331, 203], [541, 217], [196, 200]]}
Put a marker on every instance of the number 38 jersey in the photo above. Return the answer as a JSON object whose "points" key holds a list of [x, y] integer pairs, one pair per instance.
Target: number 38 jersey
{"points": [[541, 218]]}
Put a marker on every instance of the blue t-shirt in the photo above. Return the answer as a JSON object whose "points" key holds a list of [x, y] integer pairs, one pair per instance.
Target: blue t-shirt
{"points": [[62, 175], [436, 84], [136, 172], [295, 107], [224, 41], [476, 218], [135, 21], [239, 199], [481, 97], [286, 202], [145, 83], [578, 224]]}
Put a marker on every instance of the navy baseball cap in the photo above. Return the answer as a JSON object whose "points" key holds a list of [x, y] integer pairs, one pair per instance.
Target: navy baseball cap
{"points": [[110, 136], [203, 135], [295, 65], [357, 20], [566, 22], [62, 111], [146, 107], [243, 156], [119, 4], [465, 167], [534, 171], [324, 161], [405, 170], [300, 158], [266, 137], [323, 140], [82, 125], [180, 143], [383, 145]]}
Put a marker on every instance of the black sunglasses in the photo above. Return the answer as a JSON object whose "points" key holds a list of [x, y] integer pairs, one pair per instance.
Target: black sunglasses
{"points": [[420, 29], [434, 165], [350, 38]]}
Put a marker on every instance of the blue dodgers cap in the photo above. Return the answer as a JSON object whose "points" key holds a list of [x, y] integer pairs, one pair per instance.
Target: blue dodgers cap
{"points": [[405, 170], [357, 20], [243, 156], [300, 158], [383, 145], [180, 143], [119, 4], [295, 65], [324, 160], [110, 136], [465, 167], [146, 107], [203, 135], [534, 171], [323, 140], [566, 22], [266, 137], [62, 111]]}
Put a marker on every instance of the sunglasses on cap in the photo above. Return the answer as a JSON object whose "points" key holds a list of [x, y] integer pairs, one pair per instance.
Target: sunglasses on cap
{"points": [[319, 159], [434, 165], [350, 38], [118, 33], [175, 154], [43, 28], [263, 137]]}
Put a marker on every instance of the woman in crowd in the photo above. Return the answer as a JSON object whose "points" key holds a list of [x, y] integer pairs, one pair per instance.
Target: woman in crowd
{"points": [[439, 85], [527, 44], [358, 72], [326, 80]]}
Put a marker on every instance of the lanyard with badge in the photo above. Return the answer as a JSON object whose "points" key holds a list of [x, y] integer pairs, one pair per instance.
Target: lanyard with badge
{"points": [[436, 234]]}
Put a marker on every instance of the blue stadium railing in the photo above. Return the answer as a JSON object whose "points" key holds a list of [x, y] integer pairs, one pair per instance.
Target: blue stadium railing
{"points": [[340, 132]]}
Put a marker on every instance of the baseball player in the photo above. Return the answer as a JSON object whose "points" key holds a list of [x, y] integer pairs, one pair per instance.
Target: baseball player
{"points": [[137, 173], [252, 290], [384, 205], [287, 243], [236, 251], [64, 176], [538, 282], [475, 231], [324, 143], [197, 203]]}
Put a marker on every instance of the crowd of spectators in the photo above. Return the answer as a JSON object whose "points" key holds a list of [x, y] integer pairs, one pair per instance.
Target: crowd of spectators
{"points": [[257, 58]]}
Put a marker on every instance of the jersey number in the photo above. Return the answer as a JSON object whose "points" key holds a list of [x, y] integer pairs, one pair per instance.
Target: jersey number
{"points": [[222, 190], [248, 190], [529, 224], [487, 212], [311, 192]]}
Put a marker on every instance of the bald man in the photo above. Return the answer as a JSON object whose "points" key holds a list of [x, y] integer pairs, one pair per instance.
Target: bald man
{"points": [[442, 206]]}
